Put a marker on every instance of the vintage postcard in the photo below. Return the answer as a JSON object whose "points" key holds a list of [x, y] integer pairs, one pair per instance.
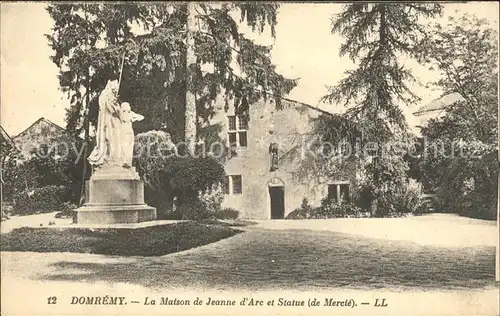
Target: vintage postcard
{"points": [[249, 158]]}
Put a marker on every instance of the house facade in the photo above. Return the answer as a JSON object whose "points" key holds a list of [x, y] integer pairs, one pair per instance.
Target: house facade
{"points": [[435, 109], [40, 139], [265, 175], [266, 178]]}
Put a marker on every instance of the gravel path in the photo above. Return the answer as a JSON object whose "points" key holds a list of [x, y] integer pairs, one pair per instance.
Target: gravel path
{"points": [[444, 230]]}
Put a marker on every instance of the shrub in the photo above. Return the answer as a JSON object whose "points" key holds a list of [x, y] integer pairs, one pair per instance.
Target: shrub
{"points": [[364, 197], [68, 210], [41, 200], [303, 212], [194, 181], [189, 176], [329, 209], [296, 214], [464, 184], [305, 206], [154, 166], [194, 210], [227, 213], [407, 201], [478, 205], [212, 199]]}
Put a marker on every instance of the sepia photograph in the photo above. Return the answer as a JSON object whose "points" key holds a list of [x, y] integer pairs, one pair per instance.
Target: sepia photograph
{"points": [[235, 158]]}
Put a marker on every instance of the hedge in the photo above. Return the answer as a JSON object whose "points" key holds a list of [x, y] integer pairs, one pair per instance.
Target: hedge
{"points": [[46, 199]]}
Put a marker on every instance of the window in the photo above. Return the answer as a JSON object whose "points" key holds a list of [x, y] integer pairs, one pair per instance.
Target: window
{"points": [[332, 192], [233, 185], [237, 134], [237, 186], [242, 123], [344, 193], [339, 192], [232, 123], [232, 138]]}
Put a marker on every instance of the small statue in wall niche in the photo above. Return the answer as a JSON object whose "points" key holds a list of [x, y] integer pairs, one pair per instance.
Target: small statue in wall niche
{"points": [[273, 152]]}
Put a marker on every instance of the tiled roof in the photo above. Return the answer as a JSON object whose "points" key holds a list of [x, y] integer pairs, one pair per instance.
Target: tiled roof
{"points": [[42, 119]]}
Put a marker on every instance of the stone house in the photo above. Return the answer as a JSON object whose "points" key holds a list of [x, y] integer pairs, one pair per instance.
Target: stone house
{"points": [[265, 176], [41, 138], [44, 134], [435, 109]]}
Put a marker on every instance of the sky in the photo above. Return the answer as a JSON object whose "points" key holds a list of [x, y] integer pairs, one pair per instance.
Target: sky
{"points": [[304, 48]]}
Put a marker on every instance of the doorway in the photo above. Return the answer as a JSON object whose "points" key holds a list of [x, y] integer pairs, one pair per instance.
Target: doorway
{"points": [[277, 197]]}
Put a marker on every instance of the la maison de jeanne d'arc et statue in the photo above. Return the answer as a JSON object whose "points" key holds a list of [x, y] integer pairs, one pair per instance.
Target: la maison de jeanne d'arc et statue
{"points": [[115, 193], [262, 181]]}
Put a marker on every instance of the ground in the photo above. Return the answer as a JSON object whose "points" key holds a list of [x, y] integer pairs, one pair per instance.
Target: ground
{"points": [[429, 257]]}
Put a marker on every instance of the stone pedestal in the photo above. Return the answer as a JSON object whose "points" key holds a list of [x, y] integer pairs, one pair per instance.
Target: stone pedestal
{"points": [[115, 196]]}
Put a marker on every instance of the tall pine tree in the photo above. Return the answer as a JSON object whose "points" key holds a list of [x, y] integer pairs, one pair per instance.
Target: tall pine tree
{"points": [[376, 36]]}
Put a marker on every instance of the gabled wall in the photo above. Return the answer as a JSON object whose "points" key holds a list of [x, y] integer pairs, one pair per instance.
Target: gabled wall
{"points": [[291, 129], [45, 132]]}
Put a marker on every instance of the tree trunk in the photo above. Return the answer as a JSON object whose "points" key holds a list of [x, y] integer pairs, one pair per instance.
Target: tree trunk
{"points": [[86, 123], [190, 123], [382, 43]]}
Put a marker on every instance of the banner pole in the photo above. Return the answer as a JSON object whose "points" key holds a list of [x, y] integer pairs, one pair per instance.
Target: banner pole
{"points": [[121, 71]]}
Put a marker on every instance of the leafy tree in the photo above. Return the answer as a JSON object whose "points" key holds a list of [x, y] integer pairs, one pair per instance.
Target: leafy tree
{"points": [[17, 176], [89, 41], [465, 53], [50, 169], [459, 150]]}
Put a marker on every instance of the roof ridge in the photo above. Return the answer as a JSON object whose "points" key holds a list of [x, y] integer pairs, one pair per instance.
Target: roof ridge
{"points": [[38, 121], [309, 106], [439, 104]]}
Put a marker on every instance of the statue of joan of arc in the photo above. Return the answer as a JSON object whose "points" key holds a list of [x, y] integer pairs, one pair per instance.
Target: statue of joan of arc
{"points": [[114, 134]]}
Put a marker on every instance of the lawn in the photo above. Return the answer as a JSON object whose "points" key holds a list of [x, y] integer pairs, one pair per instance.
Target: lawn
{"points": [[259, 260], [271, 255], [150, 241]]}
